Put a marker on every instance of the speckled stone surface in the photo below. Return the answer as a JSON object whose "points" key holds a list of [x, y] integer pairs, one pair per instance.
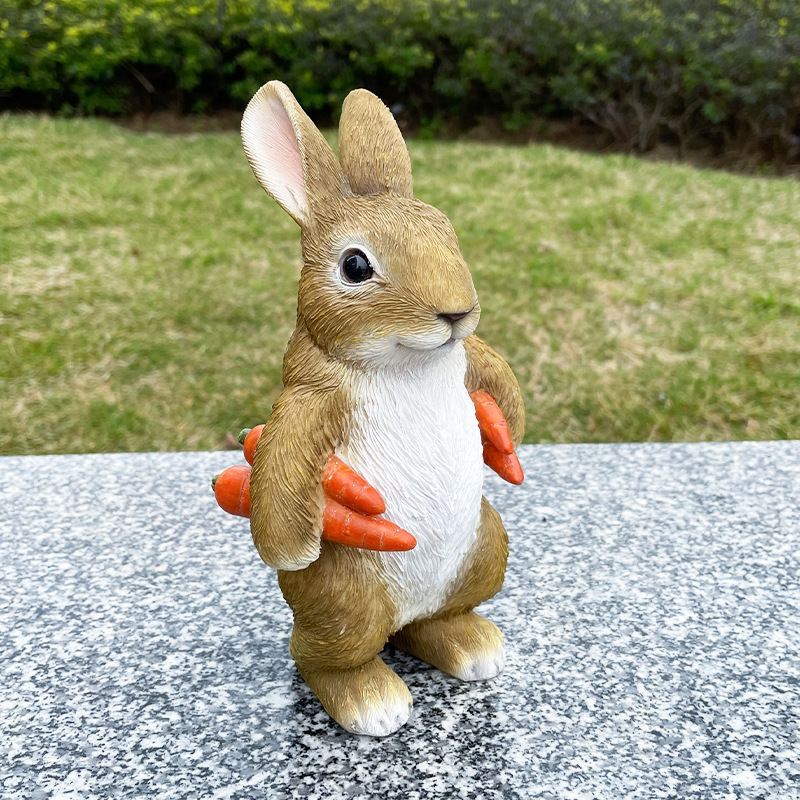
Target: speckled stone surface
{"points": [[651, 609]]}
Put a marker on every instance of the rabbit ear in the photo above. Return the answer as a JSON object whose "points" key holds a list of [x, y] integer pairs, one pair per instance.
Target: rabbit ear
{"points": [[371, 148], [289, 156]]}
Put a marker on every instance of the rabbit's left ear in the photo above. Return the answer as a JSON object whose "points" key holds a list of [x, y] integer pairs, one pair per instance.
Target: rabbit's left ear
{"points": [[372, 152]]}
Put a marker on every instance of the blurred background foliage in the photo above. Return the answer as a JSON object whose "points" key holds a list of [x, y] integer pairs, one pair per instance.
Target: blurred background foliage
{"points": [[147, 286], [723, 74]]}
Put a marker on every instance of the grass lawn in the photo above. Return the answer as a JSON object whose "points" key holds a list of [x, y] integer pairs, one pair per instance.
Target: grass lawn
{"points": [[148, 285]]}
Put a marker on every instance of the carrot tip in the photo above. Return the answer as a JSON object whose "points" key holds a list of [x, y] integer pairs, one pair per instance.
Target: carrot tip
{"points": [[405, 541], [243, 435], [513, 470], [515, 478]]}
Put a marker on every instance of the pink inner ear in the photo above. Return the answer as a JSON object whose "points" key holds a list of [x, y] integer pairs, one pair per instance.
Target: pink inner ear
{"points": [[274, 154]]}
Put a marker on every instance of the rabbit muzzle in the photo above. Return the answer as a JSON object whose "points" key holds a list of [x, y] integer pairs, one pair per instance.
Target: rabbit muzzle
{"points": [[461, 323], [446, 329]]}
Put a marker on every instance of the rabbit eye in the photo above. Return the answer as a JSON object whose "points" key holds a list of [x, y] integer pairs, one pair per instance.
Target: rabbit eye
{"points": [[355, 267]]}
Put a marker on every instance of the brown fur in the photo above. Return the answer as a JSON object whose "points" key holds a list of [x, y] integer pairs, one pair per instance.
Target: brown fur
{"points": [[324, 178], [350, 695], [342, 608], [404, 234], [302, 431]]}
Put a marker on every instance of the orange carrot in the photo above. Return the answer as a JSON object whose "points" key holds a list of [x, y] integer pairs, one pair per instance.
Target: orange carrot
{"points": [[339, 523], [345, 526], [344, 484], [491, 421], [506, 465], [249, 438], [232, 490]]}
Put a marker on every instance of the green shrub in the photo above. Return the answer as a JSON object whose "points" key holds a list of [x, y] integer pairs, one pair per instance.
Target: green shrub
{"points": [[724, 72]]}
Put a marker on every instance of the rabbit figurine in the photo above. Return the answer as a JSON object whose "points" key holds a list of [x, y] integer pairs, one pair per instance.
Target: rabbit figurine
{"points": [[379, 372]]}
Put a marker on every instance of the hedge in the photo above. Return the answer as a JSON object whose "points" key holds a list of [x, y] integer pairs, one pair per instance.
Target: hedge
{"points": [[719, 72]]}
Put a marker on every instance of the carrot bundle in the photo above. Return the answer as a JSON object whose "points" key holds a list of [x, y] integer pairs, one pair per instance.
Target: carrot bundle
{"points": [[498, 448], [344, 484], [350, 508], [506, 465], [492, 423], [352, 505], [248, 438]]}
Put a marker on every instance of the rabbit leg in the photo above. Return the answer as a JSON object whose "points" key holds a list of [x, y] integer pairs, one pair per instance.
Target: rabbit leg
{"points": [[342, 619], [457, 640], [349, 678]]}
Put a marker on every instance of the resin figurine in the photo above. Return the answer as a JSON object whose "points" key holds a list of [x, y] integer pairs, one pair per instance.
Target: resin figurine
{"points": [[390, 406]]}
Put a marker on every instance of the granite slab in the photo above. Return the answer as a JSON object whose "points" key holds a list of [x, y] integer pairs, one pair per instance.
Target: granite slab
{"points": [[651, 609]]}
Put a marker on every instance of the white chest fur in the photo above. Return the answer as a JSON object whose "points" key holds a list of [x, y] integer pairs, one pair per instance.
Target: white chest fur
{"points": [[415, 438]]}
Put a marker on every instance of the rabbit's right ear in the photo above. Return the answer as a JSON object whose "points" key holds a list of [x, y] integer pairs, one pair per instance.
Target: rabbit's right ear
{"points": [[371, 148], [289, 156]]}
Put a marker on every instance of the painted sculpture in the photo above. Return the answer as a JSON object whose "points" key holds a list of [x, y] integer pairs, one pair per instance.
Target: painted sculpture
{"points": [[366, 485]]}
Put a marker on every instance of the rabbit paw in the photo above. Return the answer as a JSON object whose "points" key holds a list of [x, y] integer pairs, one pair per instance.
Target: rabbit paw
{"points": [[466, 646], [481, 666], [370, 700], [380, 717]]}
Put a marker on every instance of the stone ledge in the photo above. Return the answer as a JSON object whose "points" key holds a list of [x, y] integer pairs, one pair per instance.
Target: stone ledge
{"points": [[651, 609]]}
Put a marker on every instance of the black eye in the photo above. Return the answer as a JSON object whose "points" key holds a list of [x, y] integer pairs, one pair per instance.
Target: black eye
{"points": [[356, 267]]}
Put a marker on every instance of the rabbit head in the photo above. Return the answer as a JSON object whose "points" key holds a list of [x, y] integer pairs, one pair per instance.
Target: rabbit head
{"points": [[383, 280]]}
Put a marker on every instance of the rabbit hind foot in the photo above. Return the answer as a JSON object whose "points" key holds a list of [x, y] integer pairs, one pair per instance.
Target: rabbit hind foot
{"points": [[370, 700], [466, 646]]}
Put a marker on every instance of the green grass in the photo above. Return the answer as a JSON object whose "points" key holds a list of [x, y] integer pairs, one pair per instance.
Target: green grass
{"points": [[147, 289]]}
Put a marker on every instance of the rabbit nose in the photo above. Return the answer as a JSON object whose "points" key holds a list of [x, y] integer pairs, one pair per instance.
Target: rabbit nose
{"points": [[453, 318]]}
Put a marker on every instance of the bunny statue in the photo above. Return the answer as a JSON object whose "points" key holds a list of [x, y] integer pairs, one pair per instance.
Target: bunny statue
{"points": [[385, 379]]}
